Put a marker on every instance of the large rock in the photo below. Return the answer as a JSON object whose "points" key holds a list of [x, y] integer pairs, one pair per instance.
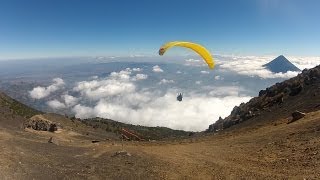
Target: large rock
{"points": [[50, 140], [121, 153], [296, 116], [53, 141], [295, 90], [39, 123]]}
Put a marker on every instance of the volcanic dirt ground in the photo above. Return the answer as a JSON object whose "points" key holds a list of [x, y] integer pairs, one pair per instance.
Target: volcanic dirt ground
{"points": [[252, 150]]}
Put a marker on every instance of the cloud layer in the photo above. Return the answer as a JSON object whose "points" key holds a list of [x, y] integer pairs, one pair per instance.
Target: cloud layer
{"points": [[166, 81], [157, 69], [67, 102], [42, 92], [116, 84], [251, 66], [193, 113], [55, 104], [119, 97]]}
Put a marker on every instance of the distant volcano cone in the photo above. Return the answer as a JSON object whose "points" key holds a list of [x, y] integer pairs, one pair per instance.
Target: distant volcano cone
{"points": [[281, 64]]}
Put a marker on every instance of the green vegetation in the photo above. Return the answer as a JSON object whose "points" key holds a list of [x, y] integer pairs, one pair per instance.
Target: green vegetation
{"points": [[147, 133], [17, 107]]}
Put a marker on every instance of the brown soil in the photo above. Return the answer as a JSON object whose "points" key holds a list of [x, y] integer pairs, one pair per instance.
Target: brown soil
{"points": [[270, 151]]}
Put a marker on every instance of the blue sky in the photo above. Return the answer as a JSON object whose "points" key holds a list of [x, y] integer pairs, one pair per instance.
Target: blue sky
{"points": [[44, 28]]}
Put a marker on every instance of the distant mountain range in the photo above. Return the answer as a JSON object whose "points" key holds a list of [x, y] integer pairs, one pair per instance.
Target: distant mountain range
{"points": [[281, 64]]}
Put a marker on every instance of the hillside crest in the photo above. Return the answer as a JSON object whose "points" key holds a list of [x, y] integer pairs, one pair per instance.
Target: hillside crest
{"points": [[278, 101]]}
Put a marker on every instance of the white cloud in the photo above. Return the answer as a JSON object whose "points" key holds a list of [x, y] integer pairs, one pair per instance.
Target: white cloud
{"points": [[165, 81], [118, 97], [252, 66], [305, 62], [139, 77], [122, 75], [108, 87], [195, 62], [204, 72], [223, 91], [94, 77], [179, 72], [195, 112], [116, 84], [69, 100], [83, 112], [136, 69], [156, 68], [41, 92], [55, 104]]}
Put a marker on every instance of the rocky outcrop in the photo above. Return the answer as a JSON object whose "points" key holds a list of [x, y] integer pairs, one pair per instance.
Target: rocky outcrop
{"points": [[50, 140], [296, 116], [39, 123], [272, 96], [121, 153], [53, 140]]}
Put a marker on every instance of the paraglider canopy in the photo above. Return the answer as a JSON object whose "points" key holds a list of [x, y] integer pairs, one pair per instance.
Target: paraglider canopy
{"points": [[202, 51]]}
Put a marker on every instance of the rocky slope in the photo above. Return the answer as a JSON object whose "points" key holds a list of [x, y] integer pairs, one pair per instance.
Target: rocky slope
{"points": [[13, 113], [278, 101]]}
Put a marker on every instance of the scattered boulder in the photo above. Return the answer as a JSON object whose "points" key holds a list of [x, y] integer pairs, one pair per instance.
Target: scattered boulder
{"points": [[53, 141], [53, 127], [121, 153], [236, 110], [39, 123], [95, 141], [50, 140], [278, 99], [271, 91], [262, 92], [228, 123], [296, 116], [249, 115], [211, 128], [296, 90]]}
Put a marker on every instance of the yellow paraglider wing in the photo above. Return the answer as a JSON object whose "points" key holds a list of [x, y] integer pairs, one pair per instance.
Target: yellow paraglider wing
{"points": [[202, 51]]}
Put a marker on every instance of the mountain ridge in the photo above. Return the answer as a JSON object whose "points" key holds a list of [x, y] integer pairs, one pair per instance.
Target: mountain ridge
{"points": [[298, 93]]}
